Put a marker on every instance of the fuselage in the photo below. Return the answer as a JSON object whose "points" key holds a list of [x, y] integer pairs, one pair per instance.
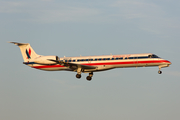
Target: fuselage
{"points": [[104, 62], [88, 64]]}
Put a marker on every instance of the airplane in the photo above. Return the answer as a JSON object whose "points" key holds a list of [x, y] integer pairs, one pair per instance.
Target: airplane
{"points": [[88, 64]]}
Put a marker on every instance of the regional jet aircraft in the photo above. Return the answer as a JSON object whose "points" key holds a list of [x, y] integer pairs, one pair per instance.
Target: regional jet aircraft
{"points": [[88, 64]]}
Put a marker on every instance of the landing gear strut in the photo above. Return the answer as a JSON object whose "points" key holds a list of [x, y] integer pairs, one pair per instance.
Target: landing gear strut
{"points": [[78, 75], [160, 72], [90, 76]]}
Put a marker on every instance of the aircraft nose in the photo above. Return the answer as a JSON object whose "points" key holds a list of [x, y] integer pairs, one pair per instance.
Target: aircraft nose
{"points": [[168, 62]]}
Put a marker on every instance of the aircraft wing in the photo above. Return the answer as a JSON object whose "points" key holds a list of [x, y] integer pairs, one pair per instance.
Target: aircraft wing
{"points": [[73, 65]]}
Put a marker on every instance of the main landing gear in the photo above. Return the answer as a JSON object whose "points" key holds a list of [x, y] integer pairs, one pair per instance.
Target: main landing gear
{"points": [[78, 76], [89, 78]]}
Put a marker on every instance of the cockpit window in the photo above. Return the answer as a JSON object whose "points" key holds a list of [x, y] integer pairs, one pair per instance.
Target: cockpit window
{"points": [[153, 56], [149, 56]]}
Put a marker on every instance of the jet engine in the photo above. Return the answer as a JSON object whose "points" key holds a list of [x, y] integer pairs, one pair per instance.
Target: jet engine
{"points": [[45, 60]]}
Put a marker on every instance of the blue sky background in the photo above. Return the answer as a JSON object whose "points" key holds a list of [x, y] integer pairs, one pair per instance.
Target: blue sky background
{"points": [[73, 28]]}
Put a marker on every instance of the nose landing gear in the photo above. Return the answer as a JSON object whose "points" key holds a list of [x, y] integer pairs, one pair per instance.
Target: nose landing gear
{"points": [[160, 72]]}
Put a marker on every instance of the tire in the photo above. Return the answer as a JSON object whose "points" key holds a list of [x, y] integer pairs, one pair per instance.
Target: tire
{"points": [[78, 76], [160, 72], [88, 78]]}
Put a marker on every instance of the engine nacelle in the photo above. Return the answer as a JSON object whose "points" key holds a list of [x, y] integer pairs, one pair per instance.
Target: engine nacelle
{"points": [[44, 59]]}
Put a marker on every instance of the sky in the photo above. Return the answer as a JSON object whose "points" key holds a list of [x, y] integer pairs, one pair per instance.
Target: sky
{"points": [[95, 27]]}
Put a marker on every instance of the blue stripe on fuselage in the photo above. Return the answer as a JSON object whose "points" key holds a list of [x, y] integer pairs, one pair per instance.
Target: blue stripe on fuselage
{"points": [[27, 63]]}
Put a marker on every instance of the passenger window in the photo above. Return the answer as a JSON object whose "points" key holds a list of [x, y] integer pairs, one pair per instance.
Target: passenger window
{"points": [[130, 57], [142, 57]]}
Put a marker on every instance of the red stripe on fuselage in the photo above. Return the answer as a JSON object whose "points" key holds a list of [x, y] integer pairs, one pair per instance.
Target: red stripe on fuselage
{"points": [[47, 66], [128, 62], [109, 63]]}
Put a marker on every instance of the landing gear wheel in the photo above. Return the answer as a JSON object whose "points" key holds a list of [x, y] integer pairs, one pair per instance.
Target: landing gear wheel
{"points": [[160, 72], [78, 76], [88, 78]]}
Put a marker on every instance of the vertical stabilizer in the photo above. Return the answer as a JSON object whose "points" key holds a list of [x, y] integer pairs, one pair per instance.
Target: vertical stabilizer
{"points": [[27, 52]]}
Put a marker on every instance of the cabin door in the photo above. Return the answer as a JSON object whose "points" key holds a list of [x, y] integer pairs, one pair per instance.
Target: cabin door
{"points": [[89, 60]]}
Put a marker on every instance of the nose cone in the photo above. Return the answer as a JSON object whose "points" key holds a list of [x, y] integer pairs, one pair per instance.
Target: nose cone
{"points": [[168, 62]]}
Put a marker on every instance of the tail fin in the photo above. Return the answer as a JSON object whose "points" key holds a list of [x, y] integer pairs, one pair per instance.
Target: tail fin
{"points": [[27, 52]]}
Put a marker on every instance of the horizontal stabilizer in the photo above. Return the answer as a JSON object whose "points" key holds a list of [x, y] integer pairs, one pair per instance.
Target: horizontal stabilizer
{"points": [[19, 44]]}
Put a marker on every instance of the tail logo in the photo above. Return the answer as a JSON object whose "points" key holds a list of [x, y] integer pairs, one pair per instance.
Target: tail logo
{"points": [[28, 53]]}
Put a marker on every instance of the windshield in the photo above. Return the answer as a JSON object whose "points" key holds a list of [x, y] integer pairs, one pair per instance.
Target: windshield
{"points": [[153, 56]]}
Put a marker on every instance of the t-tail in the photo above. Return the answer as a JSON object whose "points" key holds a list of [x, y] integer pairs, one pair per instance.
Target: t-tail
{"points": [[28, 53]]}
